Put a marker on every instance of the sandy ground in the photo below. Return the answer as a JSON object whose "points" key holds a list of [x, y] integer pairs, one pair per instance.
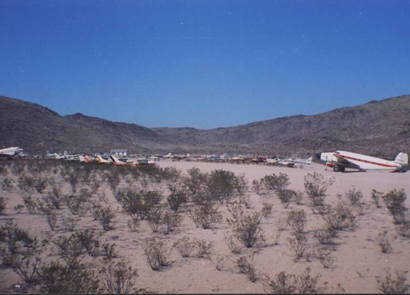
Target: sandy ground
{"points": [[357, 257]]}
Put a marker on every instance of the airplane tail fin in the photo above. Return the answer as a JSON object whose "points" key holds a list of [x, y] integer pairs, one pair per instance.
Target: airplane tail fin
{"points": [[402, 158]]}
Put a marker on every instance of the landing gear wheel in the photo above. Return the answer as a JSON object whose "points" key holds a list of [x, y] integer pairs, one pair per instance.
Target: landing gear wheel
{"points": [[336, 168]]}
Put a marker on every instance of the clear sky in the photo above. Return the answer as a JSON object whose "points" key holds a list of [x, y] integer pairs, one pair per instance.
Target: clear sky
{"points": [[203, 63]]}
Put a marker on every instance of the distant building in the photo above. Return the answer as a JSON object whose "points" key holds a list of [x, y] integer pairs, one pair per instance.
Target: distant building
{"points": [[119, 153]]}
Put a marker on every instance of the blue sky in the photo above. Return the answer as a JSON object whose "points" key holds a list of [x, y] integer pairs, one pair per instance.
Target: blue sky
{"points": [[203, 63]]}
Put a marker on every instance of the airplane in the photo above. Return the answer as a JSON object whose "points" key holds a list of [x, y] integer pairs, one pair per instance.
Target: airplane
{"points": [[340, 160], [11, 151], [101, 160], [117, 162]]}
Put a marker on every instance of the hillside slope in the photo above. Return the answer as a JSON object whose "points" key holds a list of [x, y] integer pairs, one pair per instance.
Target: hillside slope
{"points": [[379, 128]]}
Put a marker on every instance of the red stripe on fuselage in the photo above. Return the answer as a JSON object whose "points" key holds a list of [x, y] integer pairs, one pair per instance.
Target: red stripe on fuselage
{"points": [[364, 161]]}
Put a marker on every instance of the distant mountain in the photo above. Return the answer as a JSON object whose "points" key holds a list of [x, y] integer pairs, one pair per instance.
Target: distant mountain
{"points": [[380, 128]]}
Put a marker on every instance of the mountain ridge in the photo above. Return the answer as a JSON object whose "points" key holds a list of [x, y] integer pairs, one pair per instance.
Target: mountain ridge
{"points": [[381, 128]]}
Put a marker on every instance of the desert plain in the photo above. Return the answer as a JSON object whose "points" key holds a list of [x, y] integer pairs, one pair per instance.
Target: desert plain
{"points": [[352, 260]]}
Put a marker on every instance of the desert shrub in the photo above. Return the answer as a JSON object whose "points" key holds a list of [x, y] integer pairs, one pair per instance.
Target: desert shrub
{"points": [[233, 244], [119, 278], [74, 278], [297, 220], [223, 184], [194, 180], [157, 254], [104, 216], [171, 220], [394, 201], [247, 267], [75, 202], [7, 184], [390, 285], [324, 236], [3, 204], [55, 198], [30, 204], [299, 245], [383, 242], [283, 283], [133, 223], [246, 228], [19, 208], [266, 209], [316, 188], [340, 218], [178, 196], [325, 258], [354, 196], [51, 220], [205, 215], [40, 184], [203, 248], [155, 218], [139, 203], [26, 267], [25, 183], [109, 251], [285, 196], [15, 243], [72, 247], [275, 182], [404, 229], [186, 247], [376, 197]]}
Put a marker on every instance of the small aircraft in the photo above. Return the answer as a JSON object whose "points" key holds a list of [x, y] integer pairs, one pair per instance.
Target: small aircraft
{"points": [[340, 160], [101, 160], [117, 162], [11, 151]]}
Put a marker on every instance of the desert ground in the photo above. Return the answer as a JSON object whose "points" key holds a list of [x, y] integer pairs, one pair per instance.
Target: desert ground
{"points": [[51, 200]]}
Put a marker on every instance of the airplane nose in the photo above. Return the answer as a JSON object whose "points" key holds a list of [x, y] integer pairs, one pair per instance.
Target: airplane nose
{"points": [[318, 155]]}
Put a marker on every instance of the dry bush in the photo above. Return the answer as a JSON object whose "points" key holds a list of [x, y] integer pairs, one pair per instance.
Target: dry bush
{"points": [[178, 196], [390, 285], [30, 204], [283, 283], [74, 278], [233, 244], [298, 243], [324, 257], [205, 215], [133, 223], [246, 228], [155, 218], [340, 218], [72, 247], [52, 220], [7, 184], [275, 182], [376, 197], [15, 242], [324, 236], [119, 278], [394, 201], [266, 209], [204, 248], [223, 184], [109, 251], [247, 267], [316, 188], [186, 247], [297, 220], [3, 204], [26, 267], [383, 242], [139, 203], [157, 254], [105, 217], [76, 202], [171, 220], [55, 198]]}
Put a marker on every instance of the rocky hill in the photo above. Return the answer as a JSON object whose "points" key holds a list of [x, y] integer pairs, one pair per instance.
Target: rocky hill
{"points": [[380, 128]]}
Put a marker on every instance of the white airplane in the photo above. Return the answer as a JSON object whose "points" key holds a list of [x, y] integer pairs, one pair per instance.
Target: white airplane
{"points": [[101, 160], [117, 162], [340, 160], [11, 151]]}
